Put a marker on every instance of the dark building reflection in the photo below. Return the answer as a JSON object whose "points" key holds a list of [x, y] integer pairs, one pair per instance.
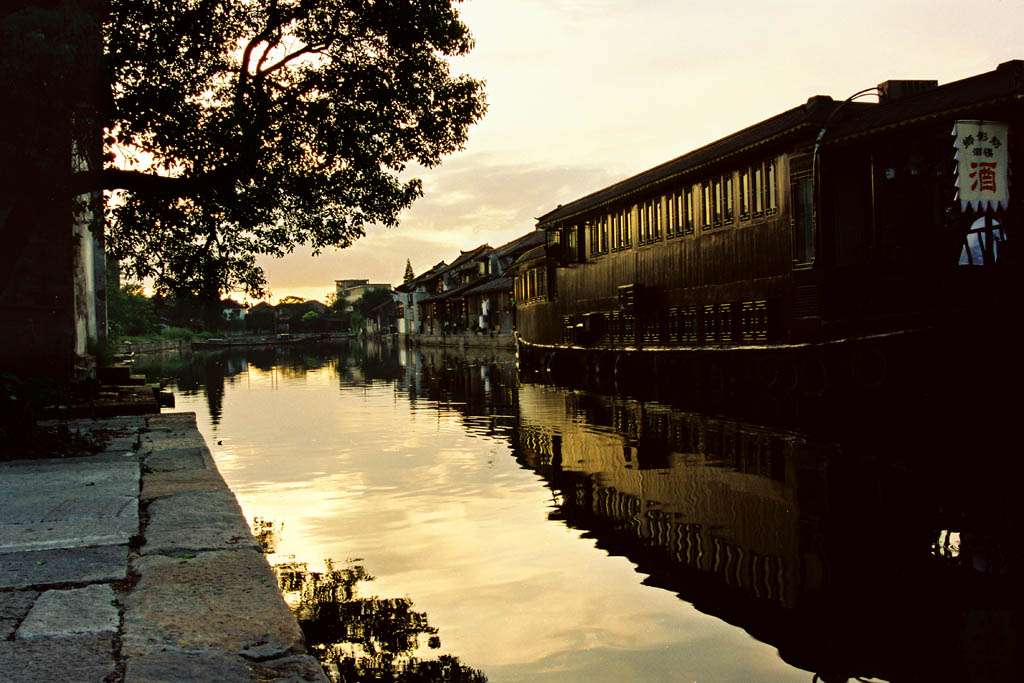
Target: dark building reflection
{"points": [[369, 361], [479, 386], [852, 563], [889, 554]]}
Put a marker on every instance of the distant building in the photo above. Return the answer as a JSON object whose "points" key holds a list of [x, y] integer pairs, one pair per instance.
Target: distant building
{"points": [[471, 295], [352, 290], [408, 295], [445, 311], [489, 302], [381, 320], [232, 310]]}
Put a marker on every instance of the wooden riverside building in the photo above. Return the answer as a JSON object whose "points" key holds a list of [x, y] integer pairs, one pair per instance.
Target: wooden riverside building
{"points": [[820, 249]]}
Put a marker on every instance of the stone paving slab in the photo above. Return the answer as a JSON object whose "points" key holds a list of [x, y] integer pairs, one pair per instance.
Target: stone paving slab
{"points": [[72, 533], [14, 605], [64, 472], [231, 603], [187, 666], [76, 611], [173, 459], [165, 440], [62, 566], [159, 484], [195, 521], [96, 507], [221, 667], [172, 426], [126, 455], [121, 444], [202, 602], [54, 507], [83, 659], [52, 490]]}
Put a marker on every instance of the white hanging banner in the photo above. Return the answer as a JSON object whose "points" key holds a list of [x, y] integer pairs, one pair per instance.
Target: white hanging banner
{"points": [[982, 165]]}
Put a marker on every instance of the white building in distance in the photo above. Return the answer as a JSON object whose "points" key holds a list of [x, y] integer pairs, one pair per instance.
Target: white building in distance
{"points": [[352, 290]]}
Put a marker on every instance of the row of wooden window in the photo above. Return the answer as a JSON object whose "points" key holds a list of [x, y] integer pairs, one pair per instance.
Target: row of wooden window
{"points": [[712, 203], [532, 285], [758, 195]]}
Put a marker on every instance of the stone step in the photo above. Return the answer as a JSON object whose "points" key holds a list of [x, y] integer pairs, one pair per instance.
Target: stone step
{"points": [[114, 375]]}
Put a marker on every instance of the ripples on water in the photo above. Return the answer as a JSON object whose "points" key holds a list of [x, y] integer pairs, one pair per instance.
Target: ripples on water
{"points": [[428, 514]]}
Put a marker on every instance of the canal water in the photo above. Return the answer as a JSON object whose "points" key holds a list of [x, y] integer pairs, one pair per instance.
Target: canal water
{"points": [[427, 513]]}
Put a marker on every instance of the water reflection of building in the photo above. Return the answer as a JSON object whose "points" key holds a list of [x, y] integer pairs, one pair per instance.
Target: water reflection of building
{"points": [[477, 383], [711, 494], [369, 360], [832, 556]]}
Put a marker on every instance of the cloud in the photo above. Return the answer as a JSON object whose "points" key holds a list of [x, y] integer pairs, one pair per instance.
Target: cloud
{"points": [[476, 191], [468, 201]]}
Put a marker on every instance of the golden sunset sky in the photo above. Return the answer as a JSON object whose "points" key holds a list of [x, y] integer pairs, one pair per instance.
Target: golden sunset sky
{"points": [[583, 93]]}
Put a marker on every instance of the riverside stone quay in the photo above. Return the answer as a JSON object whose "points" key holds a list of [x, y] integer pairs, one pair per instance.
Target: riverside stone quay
{"points": [[136, 564]]}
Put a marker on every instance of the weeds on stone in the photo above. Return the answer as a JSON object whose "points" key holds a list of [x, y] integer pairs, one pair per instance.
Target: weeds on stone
{"points": [[22, 436]]}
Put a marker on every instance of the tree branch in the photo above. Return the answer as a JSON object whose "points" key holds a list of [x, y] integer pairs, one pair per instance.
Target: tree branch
{"points": [[137, 181], [270, 45], [308, 49]]}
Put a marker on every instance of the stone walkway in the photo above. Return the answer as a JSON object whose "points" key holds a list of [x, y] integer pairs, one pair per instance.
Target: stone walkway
{"points": [[136, 564]]}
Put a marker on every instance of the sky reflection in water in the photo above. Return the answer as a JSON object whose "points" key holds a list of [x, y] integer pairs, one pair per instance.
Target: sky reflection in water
{"points": [[564, 536], [439, 510]]}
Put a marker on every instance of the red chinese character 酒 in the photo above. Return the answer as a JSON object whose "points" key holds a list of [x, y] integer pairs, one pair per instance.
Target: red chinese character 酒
{"points": [[984, 175]]}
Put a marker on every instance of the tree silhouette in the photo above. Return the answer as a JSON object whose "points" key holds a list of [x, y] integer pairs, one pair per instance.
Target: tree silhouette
{"points": [[267, 534], [408, 271], [361, 639], [236, 128]]}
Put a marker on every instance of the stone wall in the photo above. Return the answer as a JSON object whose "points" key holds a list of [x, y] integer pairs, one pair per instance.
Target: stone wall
{"points": [[468, 340], [154, 347], [50, 263]]}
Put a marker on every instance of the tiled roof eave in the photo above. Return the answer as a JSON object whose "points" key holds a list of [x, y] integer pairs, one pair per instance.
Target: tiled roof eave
{"points": [[498, 284], [520, 243], [451, 293], [647, 187], [922, 118]]}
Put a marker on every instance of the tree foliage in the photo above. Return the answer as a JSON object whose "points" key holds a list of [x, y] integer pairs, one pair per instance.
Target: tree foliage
{"points": [[409, 275], [256, 126], [338, 305], [129, 311], [371, 299], [49, 66], [366, 639], [261, 319]]}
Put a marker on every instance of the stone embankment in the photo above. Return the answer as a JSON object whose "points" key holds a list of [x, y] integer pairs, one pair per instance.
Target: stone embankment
{"points": [[463, 340], [163, 346], [136, 564]]}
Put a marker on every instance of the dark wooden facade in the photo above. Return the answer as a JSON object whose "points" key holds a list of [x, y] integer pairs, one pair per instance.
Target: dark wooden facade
{"points": [[831, 222], [694, 242]]}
